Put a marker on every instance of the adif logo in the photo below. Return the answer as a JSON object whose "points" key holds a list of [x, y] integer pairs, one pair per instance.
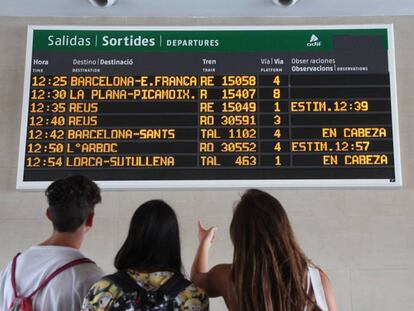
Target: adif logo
{"points": [[314, 41]]}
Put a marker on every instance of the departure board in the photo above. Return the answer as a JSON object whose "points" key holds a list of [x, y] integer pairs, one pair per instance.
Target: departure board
{"points": [[213, 107]]}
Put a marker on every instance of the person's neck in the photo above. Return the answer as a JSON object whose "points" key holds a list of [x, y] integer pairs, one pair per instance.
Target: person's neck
{"points": [[68, 239]]}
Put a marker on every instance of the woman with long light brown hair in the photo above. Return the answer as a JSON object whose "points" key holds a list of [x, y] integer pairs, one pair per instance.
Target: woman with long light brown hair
{"points": [[270, 272]]}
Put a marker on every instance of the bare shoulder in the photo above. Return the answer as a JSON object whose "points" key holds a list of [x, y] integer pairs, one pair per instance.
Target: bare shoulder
{"points": [[220, 284], [220, 273], [324, 276], [218, 280], [326, 283], [329, 294], [221, 268]]}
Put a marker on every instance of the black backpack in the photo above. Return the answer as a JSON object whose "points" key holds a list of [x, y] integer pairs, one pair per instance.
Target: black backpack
{"points": [[138, 298]]}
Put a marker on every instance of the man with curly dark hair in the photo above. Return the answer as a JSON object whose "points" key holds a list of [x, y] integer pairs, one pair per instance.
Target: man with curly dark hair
{"points": [[55, 275]]}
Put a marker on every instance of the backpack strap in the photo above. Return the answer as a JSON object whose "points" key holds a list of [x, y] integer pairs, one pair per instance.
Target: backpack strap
{"points": [[13, 275], [124, 281], [128, 284], [174, 285], [49, 278]]}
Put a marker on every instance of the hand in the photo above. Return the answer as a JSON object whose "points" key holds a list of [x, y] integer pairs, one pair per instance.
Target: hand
{"points": [[206, 236]]}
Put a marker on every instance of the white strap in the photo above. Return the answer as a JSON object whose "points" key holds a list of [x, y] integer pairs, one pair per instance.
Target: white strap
{"points": [[317, 286]]}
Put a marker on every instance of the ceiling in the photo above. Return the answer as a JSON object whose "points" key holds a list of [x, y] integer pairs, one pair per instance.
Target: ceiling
{"points": [[210, 8]]}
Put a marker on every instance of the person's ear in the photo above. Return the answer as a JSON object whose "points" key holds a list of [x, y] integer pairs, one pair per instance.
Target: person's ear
{"points": [[48, 214], [89, 219]]}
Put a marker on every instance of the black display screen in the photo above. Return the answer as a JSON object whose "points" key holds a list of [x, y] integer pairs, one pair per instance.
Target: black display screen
{"points": [[210, 108]]}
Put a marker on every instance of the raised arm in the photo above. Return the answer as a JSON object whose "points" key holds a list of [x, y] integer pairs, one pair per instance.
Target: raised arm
{"points": [[215, 281], [199, 270]]}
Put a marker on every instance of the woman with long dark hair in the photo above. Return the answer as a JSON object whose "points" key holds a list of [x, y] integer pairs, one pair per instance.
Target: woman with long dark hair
{"points": [[270, 272], [149, 268]]}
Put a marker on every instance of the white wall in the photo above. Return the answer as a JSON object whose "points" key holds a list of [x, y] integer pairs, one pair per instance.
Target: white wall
{"points": [[364, 239], [210, 8]]}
